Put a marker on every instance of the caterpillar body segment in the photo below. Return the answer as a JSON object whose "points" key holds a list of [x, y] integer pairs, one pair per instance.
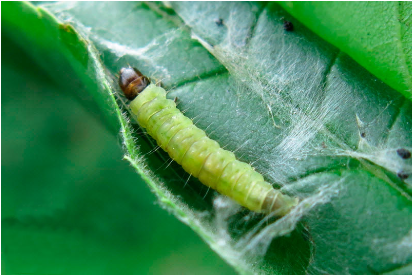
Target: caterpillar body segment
{"points": [[199, 155]]}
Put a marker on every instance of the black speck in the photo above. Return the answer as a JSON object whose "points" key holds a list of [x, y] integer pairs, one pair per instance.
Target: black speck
{"points": [[288, 26], [363, 135], [404, 153], [402, 175], [219, 22]]}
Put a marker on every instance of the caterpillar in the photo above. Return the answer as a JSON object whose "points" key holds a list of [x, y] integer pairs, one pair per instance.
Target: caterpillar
{"points": [[199, 155]]}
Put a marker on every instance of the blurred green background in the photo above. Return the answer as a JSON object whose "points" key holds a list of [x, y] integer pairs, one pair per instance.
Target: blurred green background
{"points": [[64, 185]]}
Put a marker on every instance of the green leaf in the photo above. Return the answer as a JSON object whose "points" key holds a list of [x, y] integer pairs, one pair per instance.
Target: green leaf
{"points": [[70, 204], [305, 115], [377, 35]]}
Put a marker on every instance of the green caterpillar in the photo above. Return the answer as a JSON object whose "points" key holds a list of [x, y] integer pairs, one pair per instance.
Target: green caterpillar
{"points": [[200, 156]]}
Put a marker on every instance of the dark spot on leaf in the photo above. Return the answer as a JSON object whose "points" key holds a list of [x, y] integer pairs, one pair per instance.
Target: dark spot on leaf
{"points": [[402, 175], [404, 153], [288, 26], [219, 22], [363, 135]]}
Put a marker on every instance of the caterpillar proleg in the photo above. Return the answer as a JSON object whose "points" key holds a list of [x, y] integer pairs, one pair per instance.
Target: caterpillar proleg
{"points": [[199, 155]]}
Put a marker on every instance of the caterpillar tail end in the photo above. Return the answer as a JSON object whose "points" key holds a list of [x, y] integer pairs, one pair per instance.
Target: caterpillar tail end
{"points": [[280, 204]]}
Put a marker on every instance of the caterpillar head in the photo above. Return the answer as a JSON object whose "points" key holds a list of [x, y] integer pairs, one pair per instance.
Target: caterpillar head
{"points": [[132, 82]]}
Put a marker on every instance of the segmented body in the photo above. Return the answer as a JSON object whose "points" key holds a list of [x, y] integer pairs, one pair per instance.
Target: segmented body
{"points": [[203, 157]]}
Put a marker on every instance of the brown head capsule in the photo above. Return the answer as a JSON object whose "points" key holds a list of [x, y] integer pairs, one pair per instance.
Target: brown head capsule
{"points": [[132, 82]]}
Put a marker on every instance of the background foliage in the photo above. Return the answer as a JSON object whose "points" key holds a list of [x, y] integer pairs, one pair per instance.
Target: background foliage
{"points": [[70, 205]]}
